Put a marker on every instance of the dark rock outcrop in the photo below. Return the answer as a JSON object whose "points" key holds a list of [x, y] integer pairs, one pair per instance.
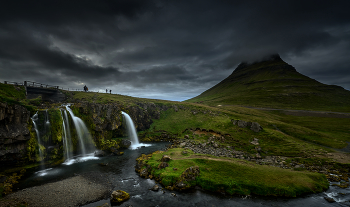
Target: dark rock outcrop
{"points": [[14, 133]]}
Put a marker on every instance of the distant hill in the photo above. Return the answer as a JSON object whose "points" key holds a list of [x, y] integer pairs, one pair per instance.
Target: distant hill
{"points": [[273, 83]]}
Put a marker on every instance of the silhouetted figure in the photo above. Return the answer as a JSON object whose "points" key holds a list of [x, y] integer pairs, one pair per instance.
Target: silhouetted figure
{"points": [[106, 91], [110, 91], [85, 88]]}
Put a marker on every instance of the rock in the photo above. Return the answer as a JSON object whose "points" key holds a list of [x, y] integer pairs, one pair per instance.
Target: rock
{"points": [[330, 200], [119, 153], [173, 194], [155, 188], [241, 123], [99, 153], [190, 173], [165, 158], [181, 185], [255, 127], [255, 141], [144, 173], [174, 168], [125, 143], [182, 144], [186, 136], [105, 205], [215, 145], [184, 152], [257, 156], [119, 196], [103, 164], [163, 165]]}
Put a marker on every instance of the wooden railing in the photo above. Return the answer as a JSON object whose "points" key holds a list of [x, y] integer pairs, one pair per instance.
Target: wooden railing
{"points": [[41, 85]]}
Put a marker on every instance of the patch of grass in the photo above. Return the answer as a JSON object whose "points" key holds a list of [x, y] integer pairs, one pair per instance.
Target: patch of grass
{"points": [[236, 176]]}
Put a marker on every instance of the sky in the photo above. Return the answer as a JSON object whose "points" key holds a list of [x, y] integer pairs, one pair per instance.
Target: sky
{"points": [[173, 49]]}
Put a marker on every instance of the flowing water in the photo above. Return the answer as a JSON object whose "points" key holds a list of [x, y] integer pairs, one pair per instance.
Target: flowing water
{"points": [[86, 143], [131, 130], [34, 120], [121, 174]]}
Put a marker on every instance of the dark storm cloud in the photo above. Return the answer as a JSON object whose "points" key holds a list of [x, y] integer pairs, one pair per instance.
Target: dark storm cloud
{"points": [[169, 49]]}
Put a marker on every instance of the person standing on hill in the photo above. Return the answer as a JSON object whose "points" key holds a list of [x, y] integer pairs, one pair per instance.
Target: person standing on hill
{"points": [[110, 91], [85, 88], [106, 91]]}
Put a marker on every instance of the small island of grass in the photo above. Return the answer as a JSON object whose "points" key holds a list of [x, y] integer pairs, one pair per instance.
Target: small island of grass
{"points": [[228, 175]]}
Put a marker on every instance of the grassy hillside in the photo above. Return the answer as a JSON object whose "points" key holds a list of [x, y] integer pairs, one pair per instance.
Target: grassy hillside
{"points": [[275, 84]]}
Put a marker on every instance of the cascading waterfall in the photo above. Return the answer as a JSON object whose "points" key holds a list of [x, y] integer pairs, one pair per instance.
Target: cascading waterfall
{"points": [[67, 141], [47, 126], [131, 129], [85, 141], [34, 119]]}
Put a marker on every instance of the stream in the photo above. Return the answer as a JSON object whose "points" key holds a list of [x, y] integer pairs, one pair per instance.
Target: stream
{"points": [[121, 175]]}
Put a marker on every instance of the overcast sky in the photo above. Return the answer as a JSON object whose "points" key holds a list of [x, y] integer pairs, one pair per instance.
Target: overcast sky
{"points": [[170, 50]]}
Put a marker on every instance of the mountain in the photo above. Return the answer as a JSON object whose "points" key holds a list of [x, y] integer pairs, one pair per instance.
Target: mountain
{"points": [[274, 83]]}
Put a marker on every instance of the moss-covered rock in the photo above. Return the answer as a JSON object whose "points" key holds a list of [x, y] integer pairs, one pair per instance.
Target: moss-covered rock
{"points": [[119, 196]]}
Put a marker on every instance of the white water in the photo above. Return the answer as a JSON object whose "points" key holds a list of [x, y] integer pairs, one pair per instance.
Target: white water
{"points": [[84, 137], [131, 131], [34, 119], [67, 140]]}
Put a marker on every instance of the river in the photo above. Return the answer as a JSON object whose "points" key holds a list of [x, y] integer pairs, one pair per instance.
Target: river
{"points": [[122, 176]]}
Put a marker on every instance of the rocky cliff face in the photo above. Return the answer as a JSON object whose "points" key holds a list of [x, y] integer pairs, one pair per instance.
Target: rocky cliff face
{"points": [[14, 133], [105, 120]]}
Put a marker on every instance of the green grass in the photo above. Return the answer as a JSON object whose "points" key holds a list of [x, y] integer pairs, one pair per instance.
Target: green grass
{"points": [[236, 176], [273, 84]]}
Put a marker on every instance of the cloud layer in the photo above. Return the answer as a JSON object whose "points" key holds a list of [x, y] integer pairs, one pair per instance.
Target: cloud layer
{"points": [[168, 49]]}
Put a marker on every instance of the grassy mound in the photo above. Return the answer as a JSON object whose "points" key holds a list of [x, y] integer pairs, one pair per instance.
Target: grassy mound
{"points": [[230, 175]]}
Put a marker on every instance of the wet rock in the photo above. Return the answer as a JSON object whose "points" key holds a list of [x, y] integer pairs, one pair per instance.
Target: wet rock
{"points": [[119, 153], [103, 164], [144, 172], [173, 194], [155, 188], [165, 158], [119, 196], [181, 185], [330, 200], [105, 205], [99, 153], [125, 143], [163, 165]]}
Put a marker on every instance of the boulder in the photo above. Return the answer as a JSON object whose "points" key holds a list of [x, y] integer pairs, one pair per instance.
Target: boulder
{"points": [[330, 200], [125, 143], [155, 188], [182, 144], [119, 196], [186, 136], [163, 165], [144, 173], [255, 127], [99, 153], [165, 158]]}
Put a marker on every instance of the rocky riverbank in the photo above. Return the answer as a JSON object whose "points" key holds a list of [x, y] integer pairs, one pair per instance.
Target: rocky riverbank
{"points": [[74, 191]]}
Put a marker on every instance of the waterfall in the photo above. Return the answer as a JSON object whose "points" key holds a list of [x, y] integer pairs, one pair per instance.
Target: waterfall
{"points": [[67, 140], [47, 127], [131, 129], [84, 137], [34, 119]]}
